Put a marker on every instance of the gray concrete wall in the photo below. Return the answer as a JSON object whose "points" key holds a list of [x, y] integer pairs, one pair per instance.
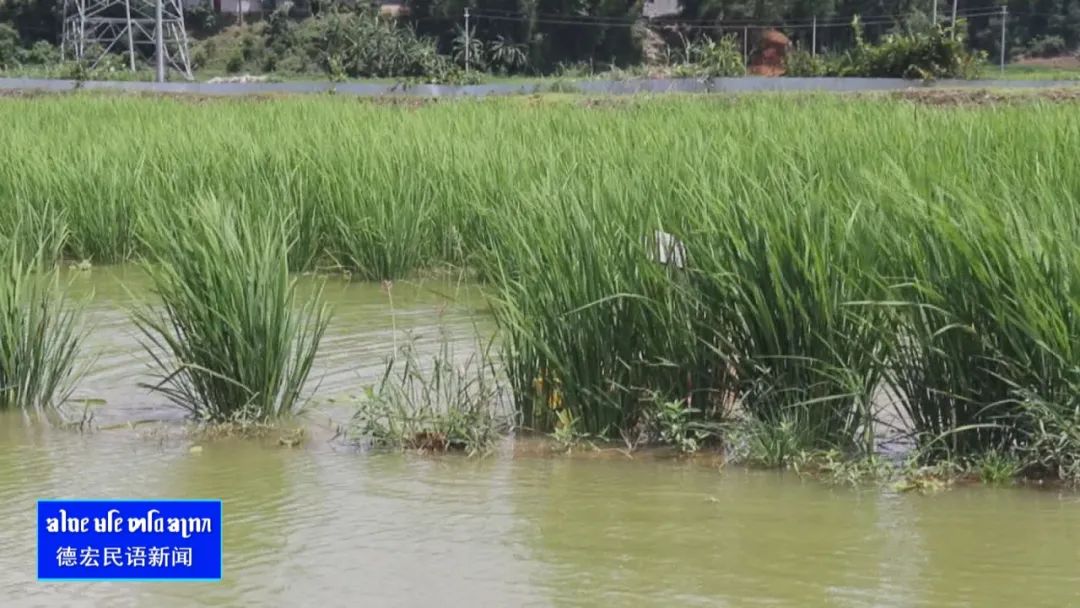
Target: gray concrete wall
{"points": [[609, 87]]}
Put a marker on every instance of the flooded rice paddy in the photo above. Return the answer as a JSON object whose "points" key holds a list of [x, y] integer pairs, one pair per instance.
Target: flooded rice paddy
{"points": [[325, 525]]}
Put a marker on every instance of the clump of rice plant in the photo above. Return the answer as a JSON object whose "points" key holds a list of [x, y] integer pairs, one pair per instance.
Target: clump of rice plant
{"points": [[594, 330], [437, 405], [40, 331], [779, 282], [229, 339], [38, 231], [985, 351]]}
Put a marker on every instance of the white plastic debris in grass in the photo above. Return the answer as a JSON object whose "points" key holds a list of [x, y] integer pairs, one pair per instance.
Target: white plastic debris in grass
{"points": [[245, 78], [666, 249]]}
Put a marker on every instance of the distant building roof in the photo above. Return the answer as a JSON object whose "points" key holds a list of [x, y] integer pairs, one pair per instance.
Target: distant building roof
{"points": [[661, 8]]}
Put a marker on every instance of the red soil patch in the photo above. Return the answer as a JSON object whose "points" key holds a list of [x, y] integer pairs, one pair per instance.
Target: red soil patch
{"points": [[945, 97], [768, 60], [1065, 62]]}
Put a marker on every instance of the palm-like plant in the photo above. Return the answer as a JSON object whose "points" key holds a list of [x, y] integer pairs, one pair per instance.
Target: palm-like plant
{"points": [[508, 55], [477, 55]]}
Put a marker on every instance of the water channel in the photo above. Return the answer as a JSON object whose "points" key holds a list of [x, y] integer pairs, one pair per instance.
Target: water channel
{"points": [[327, 525]]}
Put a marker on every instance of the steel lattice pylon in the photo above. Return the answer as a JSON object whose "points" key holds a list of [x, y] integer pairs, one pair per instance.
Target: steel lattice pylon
{"points": [[93, 28]]}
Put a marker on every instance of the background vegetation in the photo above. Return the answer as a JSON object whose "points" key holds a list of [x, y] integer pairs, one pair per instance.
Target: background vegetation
{"points": [[345, 39]]}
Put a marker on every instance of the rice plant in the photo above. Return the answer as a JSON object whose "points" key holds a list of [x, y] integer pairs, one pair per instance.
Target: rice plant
{"points": [[229, 340], [836, 249], [40, 330]]}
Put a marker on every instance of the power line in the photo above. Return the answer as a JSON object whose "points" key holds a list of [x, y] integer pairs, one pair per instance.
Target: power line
{"points": [[718, 25], [619, 19]]}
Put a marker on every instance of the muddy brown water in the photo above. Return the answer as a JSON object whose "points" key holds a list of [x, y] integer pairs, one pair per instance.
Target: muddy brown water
{"points": [[325, 525]]}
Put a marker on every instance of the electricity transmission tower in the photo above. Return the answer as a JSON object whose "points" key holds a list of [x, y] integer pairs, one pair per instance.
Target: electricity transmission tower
{"points": [[94, 28]]}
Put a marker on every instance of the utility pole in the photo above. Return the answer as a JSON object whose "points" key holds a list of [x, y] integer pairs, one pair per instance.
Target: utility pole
{"points": [[933, 16], [813, 39], [746, 46], [130, 34], [468, 41], [1004, 18], [159, 41], [953, 22]]}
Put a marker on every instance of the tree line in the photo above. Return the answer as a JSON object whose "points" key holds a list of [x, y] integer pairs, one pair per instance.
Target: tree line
{"points": [[543, 34]]}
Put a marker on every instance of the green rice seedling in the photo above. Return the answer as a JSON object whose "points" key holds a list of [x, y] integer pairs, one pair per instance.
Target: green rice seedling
{"points": [[229, 340], [381, 236], [40, 333]]}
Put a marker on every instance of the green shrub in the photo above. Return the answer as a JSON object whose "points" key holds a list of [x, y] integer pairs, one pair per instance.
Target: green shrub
{"points": [[235, 63], [367, 46], [940, 52], [1046, 46], [927, 54], [708, 58], [202, 17], [9, 46], [675, 424], [293, 63], [800, 62], [41, 53]]}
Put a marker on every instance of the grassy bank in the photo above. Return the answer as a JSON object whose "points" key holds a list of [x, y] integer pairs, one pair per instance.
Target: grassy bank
{"points": [[1018, 71], [833, 246]]}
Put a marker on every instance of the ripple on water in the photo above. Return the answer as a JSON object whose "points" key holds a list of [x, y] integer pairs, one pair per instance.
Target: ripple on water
{"points": [[337, 527], [365, 329], [334, 527]]}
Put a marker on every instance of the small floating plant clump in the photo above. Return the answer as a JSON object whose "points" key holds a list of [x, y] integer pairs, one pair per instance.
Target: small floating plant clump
{"points": [[443, 403], [229, 339]]}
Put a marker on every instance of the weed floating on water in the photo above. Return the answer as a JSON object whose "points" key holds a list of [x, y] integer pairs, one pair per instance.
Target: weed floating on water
{"points": [[437, 405]]}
